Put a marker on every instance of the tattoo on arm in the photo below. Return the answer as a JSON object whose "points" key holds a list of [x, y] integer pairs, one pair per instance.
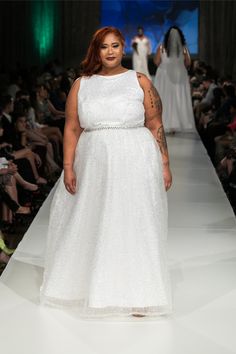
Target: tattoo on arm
{"points": [[155, 113], [161, 139], [155, 99]]}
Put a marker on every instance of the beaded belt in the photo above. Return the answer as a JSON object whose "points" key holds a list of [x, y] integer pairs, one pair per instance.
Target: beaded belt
{"points": [[113, 127]]}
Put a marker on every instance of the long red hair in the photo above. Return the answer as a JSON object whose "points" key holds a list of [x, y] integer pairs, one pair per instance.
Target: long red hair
{"points": [[92, 63]]}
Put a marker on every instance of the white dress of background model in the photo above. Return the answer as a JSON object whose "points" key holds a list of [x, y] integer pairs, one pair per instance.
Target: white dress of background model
{"points": [[140, 54], [172, 83]]}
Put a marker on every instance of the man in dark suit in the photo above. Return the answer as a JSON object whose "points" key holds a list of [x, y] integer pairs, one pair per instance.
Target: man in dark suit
{"points": [[7, 107]]}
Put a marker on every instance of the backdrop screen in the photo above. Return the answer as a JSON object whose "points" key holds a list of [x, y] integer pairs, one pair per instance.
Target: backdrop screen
{"points": [[155, 16]]}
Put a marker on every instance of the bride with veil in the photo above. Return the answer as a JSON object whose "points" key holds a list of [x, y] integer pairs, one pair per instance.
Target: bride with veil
{"points": [[171, 81]]}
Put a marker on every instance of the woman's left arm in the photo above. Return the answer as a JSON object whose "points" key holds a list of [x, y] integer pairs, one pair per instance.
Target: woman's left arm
{"points": [[23, 138], [157, 57], [187, 58], [153, 121]]}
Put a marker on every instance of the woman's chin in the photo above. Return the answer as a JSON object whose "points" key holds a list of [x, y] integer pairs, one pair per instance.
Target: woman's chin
{"points": [[111, 65]]}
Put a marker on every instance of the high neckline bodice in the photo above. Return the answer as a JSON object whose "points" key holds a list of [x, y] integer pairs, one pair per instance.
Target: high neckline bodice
{"points": [[112, 76]]}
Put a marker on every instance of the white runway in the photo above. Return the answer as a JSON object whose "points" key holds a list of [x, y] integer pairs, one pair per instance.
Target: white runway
{"points": [[202, 260]]}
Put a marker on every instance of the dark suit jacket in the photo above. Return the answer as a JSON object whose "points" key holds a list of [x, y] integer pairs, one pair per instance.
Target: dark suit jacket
{"points": [[8, 132]]}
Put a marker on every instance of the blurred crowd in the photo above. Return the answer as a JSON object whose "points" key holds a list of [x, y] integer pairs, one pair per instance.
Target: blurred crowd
{"points": [[32, 117], [214, 104]]}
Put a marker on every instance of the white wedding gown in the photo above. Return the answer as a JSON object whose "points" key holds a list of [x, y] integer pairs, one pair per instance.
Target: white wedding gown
{"points": [[140, 58], [172, 83], [106, 245]]}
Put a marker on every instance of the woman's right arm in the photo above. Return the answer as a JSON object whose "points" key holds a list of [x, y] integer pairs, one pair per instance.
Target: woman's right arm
{"points": [[187, 58], [72, 133], [157, 57]]}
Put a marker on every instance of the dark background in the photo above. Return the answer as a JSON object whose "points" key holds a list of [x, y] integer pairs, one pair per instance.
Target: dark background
{"points": [[75, 21]]}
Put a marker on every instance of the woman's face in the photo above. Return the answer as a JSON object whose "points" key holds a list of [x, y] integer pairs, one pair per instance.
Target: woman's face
{"points": [[111, 51], [21, 124], [43, 92]]}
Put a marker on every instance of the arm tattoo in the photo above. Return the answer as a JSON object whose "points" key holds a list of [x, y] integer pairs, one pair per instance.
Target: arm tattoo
{"points": [[161, 139], [155, 99], [154, 113]]}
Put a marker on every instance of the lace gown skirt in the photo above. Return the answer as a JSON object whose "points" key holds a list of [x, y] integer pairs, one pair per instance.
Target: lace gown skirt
{"points": [[172, 83], [106, 245]]}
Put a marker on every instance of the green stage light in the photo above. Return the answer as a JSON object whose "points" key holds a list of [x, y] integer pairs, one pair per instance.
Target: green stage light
{"points": [[43, 23]]}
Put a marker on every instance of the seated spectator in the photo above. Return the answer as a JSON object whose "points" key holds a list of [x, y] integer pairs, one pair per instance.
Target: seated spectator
{"points": [[207, 98], [26, 160], [59, 91], [52, 133], [7, 107], [37, 141], [41, 132], [21, 147], [9, 177], [224, 142], [8, 191], [210, 115], [45, 111], [216, 123]]}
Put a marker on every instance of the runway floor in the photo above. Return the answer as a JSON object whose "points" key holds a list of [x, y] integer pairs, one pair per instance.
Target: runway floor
{"points": [[202, 260]]}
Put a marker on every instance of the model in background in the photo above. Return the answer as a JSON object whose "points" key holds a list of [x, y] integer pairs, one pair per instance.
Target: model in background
{"points": [[141, 49], [108, 222], [172, 82]]}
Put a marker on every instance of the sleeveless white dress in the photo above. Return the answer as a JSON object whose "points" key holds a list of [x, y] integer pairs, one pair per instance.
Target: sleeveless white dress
{"points": [[172, 83], [140, 59], [106, 245]]}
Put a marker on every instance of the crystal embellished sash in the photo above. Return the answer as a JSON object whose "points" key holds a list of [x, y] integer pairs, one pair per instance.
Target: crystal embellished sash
{"points": [[113, 127]]}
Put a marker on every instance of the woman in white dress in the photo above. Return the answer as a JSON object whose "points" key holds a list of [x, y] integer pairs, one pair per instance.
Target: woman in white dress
{"points": [[105, 252], [141, 50], [172, 82]]}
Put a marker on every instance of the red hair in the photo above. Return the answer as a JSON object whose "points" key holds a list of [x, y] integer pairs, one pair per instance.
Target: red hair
{"points": [[92, 62]]}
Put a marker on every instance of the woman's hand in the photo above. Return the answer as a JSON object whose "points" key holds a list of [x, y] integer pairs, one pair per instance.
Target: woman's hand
{"points": [[37, 159], [167, 177], [70, 180], [12, 168]]}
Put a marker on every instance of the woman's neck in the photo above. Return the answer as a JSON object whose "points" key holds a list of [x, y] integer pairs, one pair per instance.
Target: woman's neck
{"points": [[112, 71]]}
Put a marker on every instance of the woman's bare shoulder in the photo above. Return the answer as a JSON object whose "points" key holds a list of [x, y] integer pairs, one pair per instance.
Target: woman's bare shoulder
{"points": [[75, 86], [77, 81], [143, 81]]}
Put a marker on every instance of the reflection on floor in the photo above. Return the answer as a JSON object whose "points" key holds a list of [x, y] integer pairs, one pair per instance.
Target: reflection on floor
{"points": [[202, 260]]}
